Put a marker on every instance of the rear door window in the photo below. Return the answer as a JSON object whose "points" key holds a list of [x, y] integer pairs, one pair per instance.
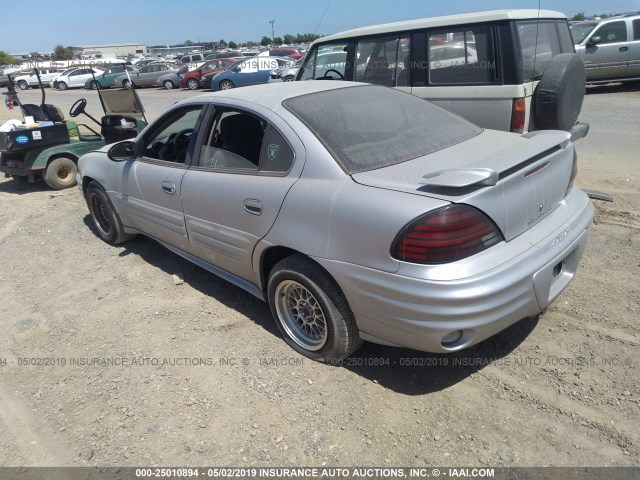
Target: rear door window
{"points": [[636, 29], [382, 61], [461, 56]]}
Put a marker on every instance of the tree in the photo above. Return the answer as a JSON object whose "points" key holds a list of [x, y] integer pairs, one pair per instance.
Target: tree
{"points": [[232, 45], [61, 53], [7, 59], [188, 43], [288, 39], [578, 17], [277, 41], [222, 44], [265, 41]]}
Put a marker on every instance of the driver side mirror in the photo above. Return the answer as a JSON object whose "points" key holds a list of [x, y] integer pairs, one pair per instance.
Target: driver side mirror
{"points": [[122, 151], [594, 41], [237, 70]]}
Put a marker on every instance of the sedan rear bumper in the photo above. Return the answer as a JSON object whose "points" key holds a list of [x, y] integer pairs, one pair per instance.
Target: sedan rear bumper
{"points": [[417, 313]]}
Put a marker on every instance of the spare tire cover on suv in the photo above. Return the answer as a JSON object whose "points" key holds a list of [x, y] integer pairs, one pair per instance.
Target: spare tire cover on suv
{"points": [[558, 98]]}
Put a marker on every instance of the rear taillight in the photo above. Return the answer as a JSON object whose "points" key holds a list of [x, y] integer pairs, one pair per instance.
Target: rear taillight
{"points": [[518, 115], [445, 235]]}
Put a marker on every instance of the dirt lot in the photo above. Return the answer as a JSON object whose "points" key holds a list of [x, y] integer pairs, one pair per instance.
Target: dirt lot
{"points": [[145, 372]]}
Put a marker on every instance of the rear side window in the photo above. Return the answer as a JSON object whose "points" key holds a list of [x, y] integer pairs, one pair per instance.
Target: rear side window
{"points": [[461, 56], [636, 29], [370, 127], [539, 43]]}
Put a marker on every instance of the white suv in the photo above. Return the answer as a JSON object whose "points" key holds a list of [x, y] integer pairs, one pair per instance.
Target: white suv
{"points": [[31, 80], [512, 70]]}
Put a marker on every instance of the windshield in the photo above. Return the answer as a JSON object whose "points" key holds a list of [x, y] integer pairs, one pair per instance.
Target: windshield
{"points": [[370, 127], [579, 31]]}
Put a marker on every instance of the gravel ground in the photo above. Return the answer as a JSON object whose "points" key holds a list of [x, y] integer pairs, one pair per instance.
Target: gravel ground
{"points": [[144, 368]]}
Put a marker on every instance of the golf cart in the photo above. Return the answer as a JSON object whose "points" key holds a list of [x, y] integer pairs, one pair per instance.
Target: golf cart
{"points": [[48, 146]]}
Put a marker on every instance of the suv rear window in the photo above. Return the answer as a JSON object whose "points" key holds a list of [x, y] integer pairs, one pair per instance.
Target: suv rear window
{"points": [[540, 41], [370, 127]]}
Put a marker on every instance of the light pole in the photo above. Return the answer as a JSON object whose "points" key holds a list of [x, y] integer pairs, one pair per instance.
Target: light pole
{"points": [[273, 33]]}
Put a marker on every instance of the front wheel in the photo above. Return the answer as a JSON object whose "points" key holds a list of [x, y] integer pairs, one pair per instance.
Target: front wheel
{"points": [[311, 311], [226, 85], [23, 85], [127, 84], [193, 84], [289, 78], [61, 173], [62, 85], [168, 84], [104, 217], [95, 85]]}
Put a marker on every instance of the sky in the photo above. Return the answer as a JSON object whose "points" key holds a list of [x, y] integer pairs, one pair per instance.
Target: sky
{"points": [[39, 25]]}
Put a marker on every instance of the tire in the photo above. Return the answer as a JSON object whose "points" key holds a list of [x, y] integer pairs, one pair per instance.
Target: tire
{"points": [[127, 84], [226, 85], [95, 84], [289, 78], [106, 221], [61, 173], [320, 326], [193, 84], [23, 85], [559, 95], [62, 85], [169, 85]]}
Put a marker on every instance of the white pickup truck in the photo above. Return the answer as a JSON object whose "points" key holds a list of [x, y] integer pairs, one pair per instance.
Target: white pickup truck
{"points": [[31, 80]]}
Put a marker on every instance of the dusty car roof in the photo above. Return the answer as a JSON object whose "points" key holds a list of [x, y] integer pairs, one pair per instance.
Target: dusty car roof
{"points": [[272, 95]]}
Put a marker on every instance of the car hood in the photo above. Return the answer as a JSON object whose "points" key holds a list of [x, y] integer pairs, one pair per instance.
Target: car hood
{"points": [[517, 180]]}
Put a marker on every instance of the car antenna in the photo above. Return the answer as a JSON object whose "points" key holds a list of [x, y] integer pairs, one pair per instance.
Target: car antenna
{"points": [[535, 48], [97, 84]]}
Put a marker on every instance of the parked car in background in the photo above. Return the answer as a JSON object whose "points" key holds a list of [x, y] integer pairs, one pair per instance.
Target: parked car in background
{"points": [[295, 53], [4, 79], [75, 77], [252, 71], [610, 48], [511, 70], [285, 73], [172, 80], [193, 58], [191, 80], [414, 228], [146, 76], [31, 79], [108, 78]]}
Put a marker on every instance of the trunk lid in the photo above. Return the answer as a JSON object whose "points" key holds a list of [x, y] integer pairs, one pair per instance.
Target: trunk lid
{"points": [[515, 180]]}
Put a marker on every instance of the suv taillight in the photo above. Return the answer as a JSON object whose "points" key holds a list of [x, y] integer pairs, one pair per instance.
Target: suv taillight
{"points": [[518, 115], [445, 235], [574, 171]]}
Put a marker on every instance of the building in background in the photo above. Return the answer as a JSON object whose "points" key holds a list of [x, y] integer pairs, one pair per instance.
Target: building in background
{"points": [[109, 50]]}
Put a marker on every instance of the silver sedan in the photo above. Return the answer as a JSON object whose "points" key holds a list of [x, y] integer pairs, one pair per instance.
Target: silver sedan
{"points": [[358, 212]]}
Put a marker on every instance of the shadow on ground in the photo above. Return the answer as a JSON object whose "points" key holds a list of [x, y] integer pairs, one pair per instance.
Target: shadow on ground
{"points": [[402, 370]]}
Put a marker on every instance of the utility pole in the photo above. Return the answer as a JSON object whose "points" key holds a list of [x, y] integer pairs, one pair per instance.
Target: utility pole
{"points": [[273, 33]]}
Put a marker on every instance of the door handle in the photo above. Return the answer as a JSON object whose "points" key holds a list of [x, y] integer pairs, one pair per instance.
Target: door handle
{"points": [[623, 49], [253, 206], [168, 187]]}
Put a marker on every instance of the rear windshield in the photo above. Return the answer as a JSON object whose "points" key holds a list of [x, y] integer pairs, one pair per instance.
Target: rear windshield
{"points": [[540, 41], [370, 127]]}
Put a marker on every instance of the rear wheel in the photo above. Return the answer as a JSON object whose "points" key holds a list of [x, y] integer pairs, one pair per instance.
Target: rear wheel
{"points": [[62, 85], [226, 85], [311, 311], [95, 84], [168, 84], [61, 173], [23, 85], [127, 84], [105, 220], [289, 78], [193, 84]]}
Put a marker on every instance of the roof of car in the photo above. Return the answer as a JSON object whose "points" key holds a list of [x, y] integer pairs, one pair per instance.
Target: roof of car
{"points": [[465, 18], [271, 95]]}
